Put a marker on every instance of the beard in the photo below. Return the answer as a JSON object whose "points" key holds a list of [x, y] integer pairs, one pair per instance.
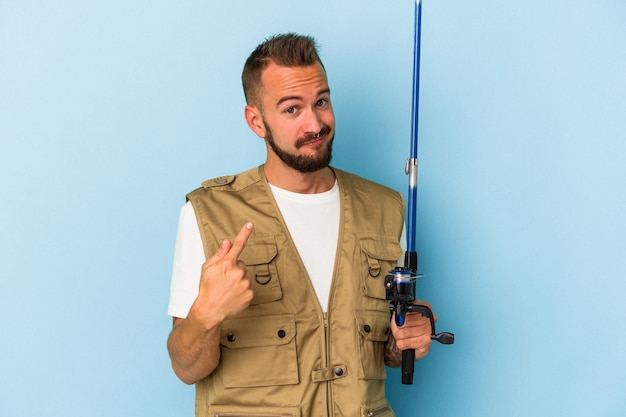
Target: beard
{"points": [[303, 163]]}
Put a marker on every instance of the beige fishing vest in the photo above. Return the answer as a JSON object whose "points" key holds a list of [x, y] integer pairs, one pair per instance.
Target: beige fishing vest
{"points": [[282, 356]]}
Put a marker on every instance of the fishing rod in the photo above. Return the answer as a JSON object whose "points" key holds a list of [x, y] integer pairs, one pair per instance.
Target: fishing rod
{"points": [[400, 284]]}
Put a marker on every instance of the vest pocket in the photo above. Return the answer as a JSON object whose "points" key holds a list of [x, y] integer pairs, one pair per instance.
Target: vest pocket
{"points": [[259, 256], [258, 351], [373, 331], [243, 411], [379, 255]]}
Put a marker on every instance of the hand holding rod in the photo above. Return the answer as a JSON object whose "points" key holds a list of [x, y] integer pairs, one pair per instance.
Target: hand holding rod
{"points": [[400, 289]]}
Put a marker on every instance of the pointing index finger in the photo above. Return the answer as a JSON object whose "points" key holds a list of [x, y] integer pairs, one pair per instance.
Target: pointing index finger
{"points": [[239, 243]]}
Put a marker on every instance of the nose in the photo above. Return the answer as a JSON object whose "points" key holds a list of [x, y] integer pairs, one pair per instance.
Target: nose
{"points": [[313, 122]]}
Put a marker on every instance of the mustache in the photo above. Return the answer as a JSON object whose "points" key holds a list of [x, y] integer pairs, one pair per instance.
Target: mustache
{"points": [[312, 136]]}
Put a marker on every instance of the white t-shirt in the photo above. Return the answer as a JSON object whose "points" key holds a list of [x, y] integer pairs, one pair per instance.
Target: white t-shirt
{"points": [[312, 221]]}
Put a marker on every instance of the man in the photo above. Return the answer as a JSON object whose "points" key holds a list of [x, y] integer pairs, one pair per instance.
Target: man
{"points": [[288, 316]]}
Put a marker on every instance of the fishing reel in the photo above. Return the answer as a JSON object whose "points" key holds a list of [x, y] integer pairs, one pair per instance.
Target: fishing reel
{"points": [[400, 287]]}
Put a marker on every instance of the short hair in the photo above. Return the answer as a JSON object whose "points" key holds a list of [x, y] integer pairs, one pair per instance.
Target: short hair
{"points": [[288, 50]]}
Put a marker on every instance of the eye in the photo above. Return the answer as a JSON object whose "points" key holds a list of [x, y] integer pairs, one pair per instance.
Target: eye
{"points": [[290, 110], [321, 102]]}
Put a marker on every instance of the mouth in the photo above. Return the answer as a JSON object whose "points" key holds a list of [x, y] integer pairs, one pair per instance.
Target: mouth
{"points": [[313, 142], [314, 139]]}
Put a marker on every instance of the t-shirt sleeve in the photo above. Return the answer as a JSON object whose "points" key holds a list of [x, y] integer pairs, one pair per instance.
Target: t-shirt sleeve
{"points": [[188, 260]]}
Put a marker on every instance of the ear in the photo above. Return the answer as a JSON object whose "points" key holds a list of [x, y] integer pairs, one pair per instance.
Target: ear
{"points": [[255, 120]]}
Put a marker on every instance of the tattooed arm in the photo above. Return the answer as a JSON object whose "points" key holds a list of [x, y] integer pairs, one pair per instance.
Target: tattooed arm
{"points": [[393, 355]]}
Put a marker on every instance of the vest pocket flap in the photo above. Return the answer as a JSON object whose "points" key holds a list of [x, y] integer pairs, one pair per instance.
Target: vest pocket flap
{"points": [[373, 325], [259, 256], [385, 248], [260, 250], [246, 332]]}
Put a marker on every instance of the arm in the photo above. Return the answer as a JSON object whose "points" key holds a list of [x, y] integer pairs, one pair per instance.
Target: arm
{"points": [[194, 349], [224, 291], [393, 355]]}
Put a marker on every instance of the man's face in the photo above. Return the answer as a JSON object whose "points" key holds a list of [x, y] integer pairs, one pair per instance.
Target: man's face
{"points": [[298, 116]]}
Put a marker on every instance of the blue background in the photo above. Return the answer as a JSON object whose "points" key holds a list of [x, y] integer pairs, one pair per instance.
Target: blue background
{"points": [[110, 111]]}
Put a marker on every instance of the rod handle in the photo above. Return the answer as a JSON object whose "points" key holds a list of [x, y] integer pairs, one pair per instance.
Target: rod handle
{"points": [[408, 366]]}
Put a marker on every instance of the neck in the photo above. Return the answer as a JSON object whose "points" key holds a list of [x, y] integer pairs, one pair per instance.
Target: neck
{"points": [[300, 182]]}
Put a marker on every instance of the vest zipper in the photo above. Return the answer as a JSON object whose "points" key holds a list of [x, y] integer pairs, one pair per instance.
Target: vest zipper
{"points": [[330, 304], [328, 364]]}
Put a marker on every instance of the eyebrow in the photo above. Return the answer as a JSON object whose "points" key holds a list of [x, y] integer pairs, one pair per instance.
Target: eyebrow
{"points": [[282, 100], [287, 98]]}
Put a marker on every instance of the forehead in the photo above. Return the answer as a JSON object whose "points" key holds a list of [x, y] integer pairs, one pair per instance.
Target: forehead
{"points": [[279, 81]]}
